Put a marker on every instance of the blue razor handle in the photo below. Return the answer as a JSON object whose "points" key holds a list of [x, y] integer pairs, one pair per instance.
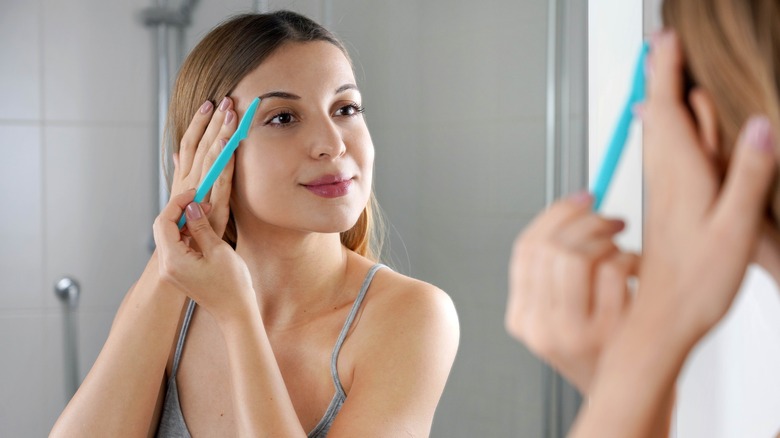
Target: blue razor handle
{"points": [[224, 156], [620, 135]]}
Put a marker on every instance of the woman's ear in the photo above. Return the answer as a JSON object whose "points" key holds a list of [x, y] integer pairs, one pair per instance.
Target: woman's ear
{"points": [[706, 118]]}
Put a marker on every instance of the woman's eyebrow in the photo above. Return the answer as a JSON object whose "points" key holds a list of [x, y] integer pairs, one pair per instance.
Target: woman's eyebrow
{"points": [[279, 94], [287, 95], [346, 87]]}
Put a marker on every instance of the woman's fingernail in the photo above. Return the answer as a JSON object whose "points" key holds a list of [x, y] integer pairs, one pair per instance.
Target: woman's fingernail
{"points": [[582, 197], [193, 211], [228, 117], [222, 143], [206, 107], [758, 133], [224, 104]]}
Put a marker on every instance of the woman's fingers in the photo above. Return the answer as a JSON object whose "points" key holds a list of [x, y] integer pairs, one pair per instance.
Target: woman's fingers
{"points": [[588, 228], [574, 275], [226, 130], [211, 136], [200, 228], [612, 278], [166, 228], [191, 138], [220, 198], [666, 81], [675, 163], [558, 214], [743, 199]]}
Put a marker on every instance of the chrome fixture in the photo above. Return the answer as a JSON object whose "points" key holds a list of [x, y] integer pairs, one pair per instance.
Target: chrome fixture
{"points": [[68, 291]]}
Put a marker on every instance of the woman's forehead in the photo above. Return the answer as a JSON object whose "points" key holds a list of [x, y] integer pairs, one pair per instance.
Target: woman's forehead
{"points": [[300, 68]]}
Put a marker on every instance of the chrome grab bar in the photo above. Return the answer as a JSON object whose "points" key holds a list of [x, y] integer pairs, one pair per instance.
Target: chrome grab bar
{"points": [[68, 291]]}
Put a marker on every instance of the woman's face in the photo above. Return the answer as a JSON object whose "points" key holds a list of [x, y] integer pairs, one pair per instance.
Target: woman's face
{"points": [[307, 161]]}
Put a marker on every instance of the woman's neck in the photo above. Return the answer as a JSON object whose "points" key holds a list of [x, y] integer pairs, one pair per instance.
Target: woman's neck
{"points": [[294, 273]]}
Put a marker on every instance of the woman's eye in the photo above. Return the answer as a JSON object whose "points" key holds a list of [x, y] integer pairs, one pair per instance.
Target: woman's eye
{"points": [[349, 110], [281, 119]]}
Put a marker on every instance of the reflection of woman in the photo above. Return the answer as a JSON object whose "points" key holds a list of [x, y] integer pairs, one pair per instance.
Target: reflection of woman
{"points": [[297, 330], [710, 211]]}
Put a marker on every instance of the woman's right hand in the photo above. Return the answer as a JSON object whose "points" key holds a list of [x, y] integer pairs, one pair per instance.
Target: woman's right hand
{"points": [[200, 145], [202, 265], [568, 287]]}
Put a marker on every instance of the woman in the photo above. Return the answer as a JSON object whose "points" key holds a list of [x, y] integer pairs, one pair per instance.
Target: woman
{"points": [[712, 208], [297, 330]]}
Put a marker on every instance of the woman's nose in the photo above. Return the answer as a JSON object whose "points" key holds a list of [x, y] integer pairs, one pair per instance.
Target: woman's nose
{"points": [[327, 141]]}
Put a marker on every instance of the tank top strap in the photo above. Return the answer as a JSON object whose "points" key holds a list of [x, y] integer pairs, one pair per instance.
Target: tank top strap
{"points": [[348, 324], [182, 336]]}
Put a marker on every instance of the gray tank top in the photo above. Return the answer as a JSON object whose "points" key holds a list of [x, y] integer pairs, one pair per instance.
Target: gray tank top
{"points": [[172, 422]]}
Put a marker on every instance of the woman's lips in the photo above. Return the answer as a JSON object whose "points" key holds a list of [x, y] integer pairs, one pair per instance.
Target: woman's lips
{"points": [[329, 186]]}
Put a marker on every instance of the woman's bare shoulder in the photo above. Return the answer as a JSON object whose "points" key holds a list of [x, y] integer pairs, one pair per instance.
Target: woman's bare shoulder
{"points": [[398, 307]]}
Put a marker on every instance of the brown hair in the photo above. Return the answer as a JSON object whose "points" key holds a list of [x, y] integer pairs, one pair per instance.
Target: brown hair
{"points": [[732, 50], [219, 62]]}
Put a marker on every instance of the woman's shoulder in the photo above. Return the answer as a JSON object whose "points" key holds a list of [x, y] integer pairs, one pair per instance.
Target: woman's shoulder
{"points": [[401, 308]]}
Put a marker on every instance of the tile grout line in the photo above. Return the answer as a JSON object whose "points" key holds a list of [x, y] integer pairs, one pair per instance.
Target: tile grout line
{"points": [[42, 138]]}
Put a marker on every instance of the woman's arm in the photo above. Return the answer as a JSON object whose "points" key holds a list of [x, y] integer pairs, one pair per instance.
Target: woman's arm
{"points": [[699, 237], [120, 393], [123, 391]]}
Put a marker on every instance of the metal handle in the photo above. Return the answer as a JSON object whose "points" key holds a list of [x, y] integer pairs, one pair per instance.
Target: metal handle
{"points": [[68, 291]]}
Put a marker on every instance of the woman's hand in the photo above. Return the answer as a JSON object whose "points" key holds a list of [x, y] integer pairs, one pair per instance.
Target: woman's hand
{"points": [[699, 234], [204, 266], [204, 139], [568, 287], [133, 359]]}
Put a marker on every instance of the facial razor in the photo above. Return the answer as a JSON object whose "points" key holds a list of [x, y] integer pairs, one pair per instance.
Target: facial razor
{"points": [[224, 156], [620, 135]]}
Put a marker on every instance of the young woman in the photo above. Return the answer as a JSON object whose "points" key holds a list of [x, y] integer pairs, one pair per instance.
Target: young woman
{"points": [[712, 121], [297, 330]]}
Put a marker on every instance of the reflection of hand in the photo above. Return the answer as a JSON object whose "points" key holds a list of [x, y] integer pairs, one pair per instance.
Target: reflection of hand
{"points": [[699, 235], [205, 267], [568, 287], [199, 148]]}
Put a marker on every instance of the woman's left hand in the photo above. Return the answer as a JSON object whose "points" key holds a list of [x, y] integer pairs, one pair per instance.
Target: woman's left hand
{"points": [[699, 234], [204, 266]]}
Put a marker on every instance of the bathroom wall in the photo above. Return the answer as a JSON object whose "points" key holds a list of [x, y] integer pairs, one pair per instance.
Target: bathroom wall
{"points": [[77, 175], [455, 98]]}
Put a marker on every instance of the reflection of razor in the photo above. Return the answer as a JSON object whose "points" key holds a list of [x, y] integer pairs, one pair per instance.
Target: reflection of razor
{"points": [[224, 156], [620, 135]]}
